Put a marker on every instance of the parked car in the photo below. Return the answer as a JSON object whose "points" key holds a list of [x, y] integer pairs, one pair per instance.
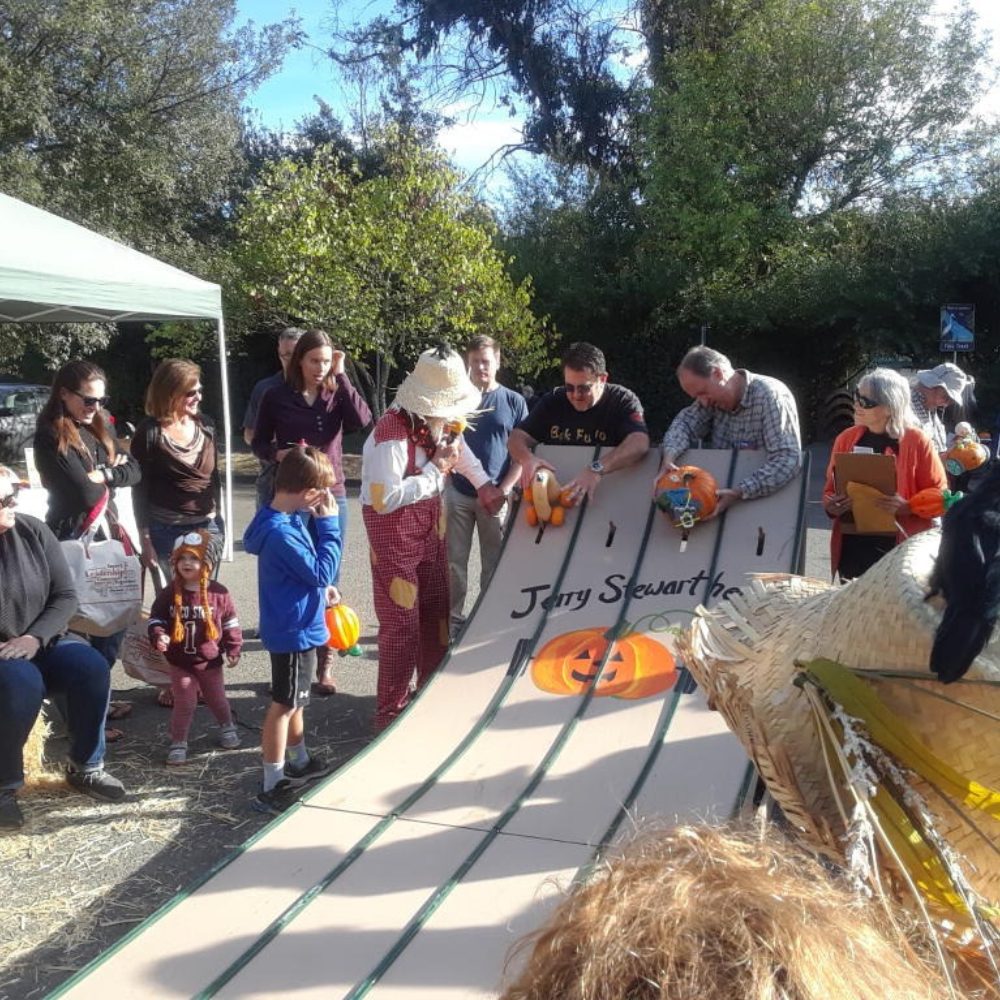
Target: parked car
{"points": [[20, 404]]}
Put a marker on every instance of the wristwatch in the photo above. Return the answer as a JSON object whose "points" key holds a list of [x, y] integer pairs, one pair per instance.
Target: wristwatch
{"points": [[597, 467]]}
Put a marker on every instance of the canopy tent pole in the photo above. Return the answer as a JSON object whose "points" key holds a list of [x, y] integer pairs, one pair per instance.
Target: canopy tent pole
{"points": [[227, 552]]}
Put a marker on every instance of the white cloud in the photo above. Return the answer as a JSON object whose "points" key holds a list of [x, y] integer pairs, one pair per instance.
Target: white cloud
{"points": [[471, 143]]}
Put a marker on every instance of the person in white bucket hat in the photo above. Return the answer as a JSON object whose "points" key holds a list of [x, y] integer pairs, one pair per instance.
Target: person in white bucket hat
{"points": [[405, 463], [933, 390]]}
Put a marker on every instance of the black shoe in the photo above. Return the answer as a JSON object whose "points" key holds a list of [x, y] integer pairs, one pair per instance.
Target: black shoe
{"points": [[279, 798], [313, 769], [98, 784], [11, 817]]}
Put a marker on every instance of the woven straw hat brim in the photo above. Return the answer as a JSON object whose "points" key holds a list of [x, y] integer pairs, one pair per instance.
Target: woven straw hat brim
{"points": [[743, 653], [425, 401]]}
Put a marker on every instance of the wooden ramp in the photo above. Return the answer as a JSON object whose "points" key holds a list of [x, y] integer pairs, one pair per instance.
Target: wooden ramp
{"points": [[412, 871]]}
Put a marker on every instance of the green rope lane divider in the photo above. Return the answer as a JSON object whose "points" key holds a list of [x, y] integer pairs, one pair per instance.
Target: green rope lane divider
{"points": [[518, 662], [431, 905]]}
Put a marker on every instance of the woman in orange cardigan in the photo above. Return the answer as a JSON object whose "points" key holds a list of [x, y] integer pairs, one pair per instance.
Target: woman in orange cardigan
{"points": [[884, 422]]}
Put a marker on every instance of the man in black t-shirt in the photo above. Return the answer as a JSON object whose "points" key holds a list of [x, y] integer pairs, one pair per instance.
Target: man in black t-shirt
{"points": [[585, 410]]}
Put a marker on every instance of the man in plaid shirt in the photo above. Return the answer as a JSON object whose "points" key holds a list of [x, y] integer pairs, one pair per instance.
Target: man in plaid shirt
{"points": [[734, 408]]}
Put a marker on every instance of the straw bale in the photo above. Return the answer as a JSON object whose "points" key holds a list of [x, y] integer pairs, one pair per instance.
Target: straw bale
{"points": [[38, 774]]}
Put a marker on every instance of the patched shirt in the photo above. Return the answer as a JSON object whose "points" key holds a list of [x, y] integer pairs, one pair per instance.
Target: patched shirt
{"points": [[386, 483], [766, 420]]}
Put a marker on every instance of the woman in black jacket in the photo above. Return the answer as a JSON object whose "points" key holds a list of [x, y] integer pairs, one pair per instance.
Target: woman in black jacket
{"points": [[79, 459]]}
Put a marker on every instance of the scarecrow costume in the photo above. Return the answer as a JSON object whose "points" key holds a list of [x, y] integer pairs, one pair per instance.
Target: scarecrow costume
{"points": [[878, 764], [401, 495]]}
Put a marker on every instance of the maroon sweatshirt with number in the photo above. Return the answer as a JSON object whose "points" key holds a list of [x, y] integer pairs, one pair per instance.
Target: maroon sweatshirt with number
{"points": [[196, 651]]}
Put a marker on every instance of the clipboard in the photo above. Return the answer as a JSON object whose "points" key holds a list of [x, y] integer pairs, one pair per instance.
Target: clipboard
{"points": [[878, 471]]}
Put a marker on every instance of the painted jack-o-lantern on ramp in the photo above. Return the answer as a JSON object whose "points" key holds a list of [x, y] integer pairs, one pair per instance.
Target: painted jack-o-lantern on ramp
{"points": [[635, 665], [559, 714]]}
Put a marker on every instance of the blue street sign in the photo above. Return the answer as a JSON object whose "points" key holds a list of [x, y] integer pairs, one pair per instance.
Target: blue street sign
{"points": [[958, 327]]}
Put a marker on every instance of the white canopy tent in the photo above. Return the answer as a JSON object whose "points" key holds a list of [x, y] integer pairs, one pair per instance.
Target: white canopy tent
{"points": [[54, 271]]}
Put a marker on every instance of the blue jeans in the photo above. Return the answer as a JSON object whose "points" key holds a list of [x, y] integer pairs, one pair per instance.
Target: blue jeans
{"points": [[73, 670], [163, 537], [108, 645]]}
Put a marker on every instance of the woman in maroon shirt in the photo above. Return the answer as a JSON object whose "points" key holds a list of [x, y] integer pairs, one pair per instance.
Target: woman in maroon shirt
{"points": [[315, 405]]}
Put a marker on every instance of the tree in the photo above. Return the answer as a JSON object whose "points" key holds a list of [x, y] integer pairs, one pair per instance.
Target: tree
{"points": [[564, 61], [806, 110], [127, 118], [387, 263]]}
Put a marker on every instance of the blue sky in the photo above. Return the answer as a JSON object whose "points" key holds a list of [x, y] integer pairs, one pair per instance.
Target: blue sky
{"points": [[287, 96]]}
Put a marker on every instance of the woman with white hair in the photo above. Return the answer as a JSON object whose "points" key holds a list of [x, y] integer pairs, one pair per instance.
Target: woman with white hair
{"points": [[885, 424], [405, 464]]}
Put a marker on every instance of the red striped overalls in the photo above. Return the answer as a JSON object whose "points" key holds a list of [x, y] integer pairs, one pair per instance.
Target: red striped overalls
{"points": [[409, 561]]}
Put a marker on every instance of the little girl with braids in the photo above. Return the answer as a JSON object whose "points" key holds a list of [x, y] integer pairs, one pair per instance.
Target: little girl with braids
{"points": [[193, 623]]}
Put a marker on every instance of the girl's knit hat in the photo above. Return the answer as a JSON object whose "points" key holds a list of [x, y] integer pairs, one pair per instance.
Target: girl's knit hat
{"points": [[198, 544], [194, 543]]}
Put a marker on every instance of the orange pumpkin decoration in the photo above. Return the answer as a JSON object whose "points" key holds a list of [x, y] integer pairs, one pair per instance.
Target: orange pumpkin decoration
{"points": [[965, 455], [686, 495], [933, 502], [637, 667], [343, 626]]}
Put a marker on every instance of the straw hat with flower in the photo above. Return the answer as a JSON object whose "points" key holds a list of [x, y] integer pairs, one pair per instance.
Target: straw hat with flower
{"points": [[439, 386], [829, 690]]}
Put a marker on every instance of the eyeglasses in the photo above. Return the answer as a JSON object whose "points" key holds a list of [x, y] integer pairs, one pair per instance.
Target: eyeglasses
{"points": [[11, 499], [583, 389], [191, 393], [91, 401], [865, 402]]}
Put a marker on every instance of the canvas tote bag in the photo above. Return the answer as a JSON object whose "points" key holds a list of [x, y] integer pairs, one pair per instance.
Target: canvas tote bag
{"points": [[107, 573]]}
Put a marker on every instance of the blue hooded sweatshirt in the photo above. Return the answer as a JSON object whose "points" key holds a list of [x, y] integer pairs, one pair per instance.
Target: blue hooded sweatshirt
{"points": [[296, 566]]}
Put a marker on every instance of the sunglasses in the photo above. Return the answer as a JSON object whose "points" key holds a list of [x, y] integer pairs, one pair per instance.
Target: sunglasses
{"points": [[865, 402], [584, 389], [190, 394], [11, 499], [91, 401]]}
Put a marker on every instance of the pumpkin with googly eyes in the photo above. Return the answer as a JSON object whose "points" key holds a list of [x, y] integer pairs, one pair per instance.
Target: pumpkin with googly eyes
{"points": [[636, 666]]}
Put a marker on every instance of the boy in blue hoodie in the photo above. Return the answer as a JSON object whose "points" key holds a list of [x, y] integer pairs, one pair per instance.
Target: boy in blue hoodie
{"points": [[295, 575]]}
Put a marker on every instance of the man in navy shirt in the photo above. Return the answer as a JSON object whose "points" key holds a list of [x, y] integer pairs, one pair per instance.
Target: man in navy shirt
{"points": [[586, 410], [287, 340], [487, 439]]}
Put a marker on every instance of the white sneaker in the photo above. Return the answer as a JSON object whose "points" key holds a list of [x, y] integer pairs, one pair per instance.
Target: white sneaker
{"points": [[177, 754]]}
